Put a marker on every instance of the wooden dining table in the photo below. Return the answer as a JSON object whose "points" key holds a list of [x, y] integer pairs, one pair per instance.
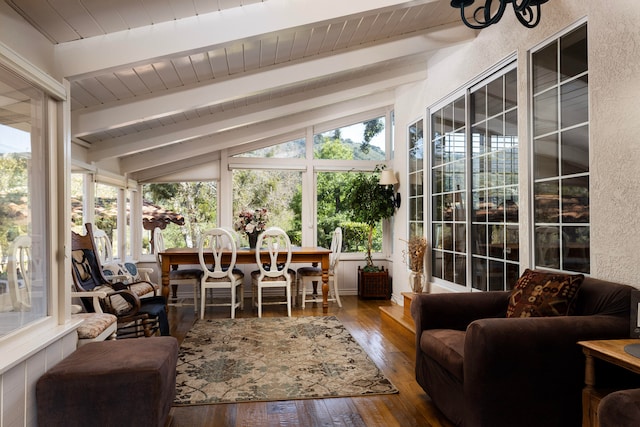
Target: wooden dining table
{"points": [[173, 257]]}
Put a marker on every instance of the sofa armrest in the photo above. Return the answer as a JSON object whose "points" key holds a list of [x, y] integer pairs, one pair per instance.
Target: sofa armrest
{"points": [[456, 310], [522, 359]]}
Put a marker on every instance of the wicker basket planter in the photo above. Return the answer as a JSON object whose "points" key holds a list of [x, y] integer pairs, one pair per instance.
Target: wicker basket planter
{"points": [[374, 285]]}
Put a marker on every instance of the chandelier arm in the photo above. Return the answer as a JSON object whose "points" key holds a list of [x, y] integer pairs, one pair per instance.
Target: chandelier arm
{"points": [[488, 19], [528, 17], [524, 4]]}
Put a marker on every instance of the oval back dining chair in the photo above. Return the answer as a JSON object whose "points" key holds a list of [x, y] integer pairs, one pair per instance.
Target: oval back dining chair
{"points": [[185, 276], [272, 274], [221, 275], [313, 275]]}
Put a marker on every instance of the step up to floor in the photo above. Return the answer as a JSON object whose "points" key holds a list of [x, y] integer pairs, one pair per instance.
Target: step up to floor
{"points": [[400, 315]]}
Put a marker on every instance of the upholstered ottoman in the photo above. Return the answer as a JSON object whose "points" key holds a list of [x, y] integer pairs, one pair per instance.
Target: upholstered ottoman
{"points": [[111, 383]]}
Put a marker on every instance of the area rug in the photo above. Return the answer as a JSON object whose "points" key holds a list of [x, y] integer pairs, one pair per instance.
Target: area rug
{"points": [[269, 359]]}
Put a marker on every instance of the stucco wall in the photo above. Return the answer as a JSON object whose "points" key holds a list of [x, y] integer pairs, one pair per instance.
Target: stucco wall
{"points": [[614, 86]]}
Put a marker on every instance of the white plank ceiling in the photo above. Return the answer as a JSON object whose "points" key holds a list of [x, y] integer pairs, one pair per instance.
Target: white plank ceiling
{"points": [[147, 75]]}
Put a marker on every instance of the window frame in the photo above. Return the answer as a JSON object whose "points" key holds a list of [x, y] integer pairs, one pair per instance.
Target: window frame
{"points": [[26, 341], [464, 92], [560, 129]]}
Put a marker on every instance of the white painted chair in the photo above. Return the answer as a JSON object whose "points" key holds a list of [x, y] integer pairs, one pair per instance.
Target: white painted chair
{"points": [[19, 274], [220, 275], [313, 275], [103, 246], [186, 276], [273, 241]]}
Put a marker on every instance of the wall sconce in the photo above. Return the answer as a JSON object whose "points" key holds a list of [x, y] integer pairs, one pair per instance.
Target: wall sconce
{"points": [[388, 178]]}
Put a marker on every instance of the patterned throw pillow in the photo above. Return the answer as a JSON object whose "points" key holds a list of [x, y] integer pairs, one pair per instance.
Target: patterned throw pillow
{"points": [[540, 294]]}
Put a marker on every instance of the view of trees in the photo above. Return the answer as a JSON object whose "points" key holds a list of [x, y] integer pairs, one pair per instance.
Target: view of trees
{"points": [[279, 191]]}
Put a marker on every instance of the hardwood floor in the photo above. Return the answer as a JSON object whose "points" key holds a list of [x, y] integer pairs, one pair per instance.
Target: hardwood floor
{"points": [[390, 347]]}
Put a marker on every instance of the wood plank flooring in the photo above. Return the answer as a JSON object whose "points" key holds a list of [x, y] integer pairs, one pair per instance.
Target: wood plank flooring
{"points": [[389, 346]]}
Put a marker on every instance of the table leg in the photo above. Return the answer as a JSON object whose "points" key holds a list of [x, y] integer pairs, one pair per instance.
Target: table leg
{"points": [[587, 392], [325, 283]]}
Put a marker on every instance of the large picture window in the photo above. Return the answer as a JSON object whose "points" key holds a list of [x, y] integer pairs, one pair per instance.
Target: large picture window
{"points": [[474, 163], [561, 153], [24, 287]]}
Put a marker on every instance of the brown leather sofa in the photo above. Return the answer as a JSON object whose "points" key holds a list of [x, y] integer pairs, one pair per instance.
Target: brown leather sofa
{"points": [[482, 369]]}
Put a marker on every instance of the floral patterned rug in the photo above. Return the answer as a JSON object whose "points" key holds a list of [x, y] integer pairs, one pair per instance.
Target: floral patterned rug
{"points": [[273, 358]]}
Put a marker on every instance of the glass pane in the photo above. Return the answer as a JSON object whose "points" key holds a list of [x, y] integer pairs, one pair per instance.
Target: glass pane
{"points": [[459, 113], [496, 241], [574, 102], [77, 200], [480, 141], [575, 200], [575, 150], [437, 236], [511, 204], [478, 177], [480, 268], [495, 133], [480, 206], [495, 97], [460, 238], [167, 201], [512, 244], [496, 203], [447, 118], [575, 249], [287, 150], [447, 236], [24, 286], [545, 68], [448, 267], [437, 264], [416, 184], [546, 157], [437, 149], [436, 125], [437, 208], [545, 112], [496, 276], [547, 202], [547, 247], [459, 205], [511, 167], [359, 141], [280, 192], [479, 239], [573, 53], [478, 105], [106, 213], [511, 127], [460, 274]]}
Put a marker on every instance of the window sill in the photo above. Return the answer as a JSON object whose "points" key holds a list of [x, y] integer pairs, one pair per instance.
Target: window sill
{"points": [[27, 342]]}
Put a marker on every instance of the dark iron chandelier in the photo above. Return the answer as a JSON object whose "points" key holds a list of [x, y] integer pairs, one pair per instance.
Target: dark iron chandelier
{"points": [[527, 12]]}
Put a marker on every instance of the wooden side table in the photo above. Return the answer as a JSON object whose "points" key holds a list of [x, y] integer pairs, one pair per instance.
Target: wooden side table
{"points": [[610, 351]]}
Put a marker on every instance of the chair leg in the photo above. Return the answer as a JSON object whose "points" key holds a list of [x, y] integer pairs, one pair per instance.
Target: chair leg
{"points": [[259, 301], [335, 291], [288, 289], [233, 302], [304, 291], [203, 299]]}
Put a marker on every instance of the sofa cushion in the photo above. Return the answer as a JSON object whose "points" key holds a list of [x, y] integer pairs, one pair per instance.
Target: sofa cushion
{"points": [[541, 294], [446, 347]]}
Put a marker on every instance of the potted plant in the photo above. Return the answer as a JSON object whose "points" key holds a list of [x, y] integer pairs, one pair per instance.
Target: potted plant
{"points": [[370, 203]]}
